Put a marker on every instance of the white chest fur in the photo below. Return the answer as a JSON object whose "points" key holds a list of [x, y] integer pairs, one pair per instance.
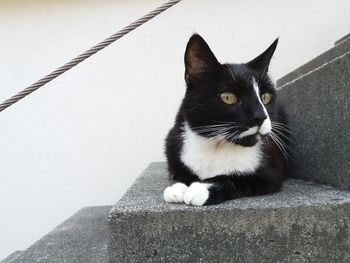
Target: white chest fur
{"points": [[210, 158]]}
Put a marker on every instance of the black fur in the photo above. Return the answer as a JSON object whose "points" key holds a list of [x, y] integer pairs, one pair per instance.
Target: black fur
{"points": [[206, 78]]}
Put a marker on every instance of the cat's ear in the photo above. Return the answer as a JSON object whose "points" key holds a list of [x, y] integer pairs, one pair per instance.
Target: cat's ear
{"points": [[199, 59], [261, 63]]}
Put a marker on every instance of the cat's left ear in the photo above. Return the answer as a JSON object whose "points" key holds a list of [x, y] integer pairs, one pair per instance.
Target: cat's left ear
{"points": [[261, 63], [199, 59]]}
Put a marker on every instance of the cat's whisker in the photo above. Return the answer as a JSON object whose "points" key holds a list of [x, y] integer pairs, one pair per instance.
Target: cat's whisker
{"points": [[218, 129], [214, 132], [280, 133], [282, 129], [226, 122], [281, 125], [214, 135], [281, 145], [213, 126], [282, 142], [233, 137], [207, 130], [208, 127], [278, 145], [222, 133]]}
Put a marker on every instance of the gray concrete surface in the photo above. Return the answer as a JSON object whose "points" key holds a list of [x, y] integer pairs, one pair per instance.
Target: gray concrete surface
{"points": [[11, 258], [341, 47], [318, 109], [303, 223], [347, 36], [80, 239]]}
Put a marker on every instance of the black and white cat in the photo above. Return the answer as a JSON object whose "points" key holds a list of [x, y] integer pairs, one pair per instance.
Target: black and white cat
{"points": [[228, 140]]}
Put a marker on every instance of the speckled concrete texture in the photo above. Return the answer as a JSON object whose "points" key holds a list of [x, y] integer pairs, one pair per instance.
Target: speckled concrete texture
{"points": [[80, 239], [341, 40], [11, 258], [318, 109], [303, 223]]}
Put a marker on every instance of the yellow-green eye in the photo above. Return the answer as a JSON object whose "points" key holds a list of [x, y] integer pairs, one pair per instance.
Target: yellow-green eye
{"points": [[266, 98], [228, 98]]}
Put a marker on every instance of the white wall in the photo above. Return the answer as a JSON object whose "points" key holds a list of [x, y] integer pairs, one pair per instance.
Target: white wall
{"points": [[82, 139]]}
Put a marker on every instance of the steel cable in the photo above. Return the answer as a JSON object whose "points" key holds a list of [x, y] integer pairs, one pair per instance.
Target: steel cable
{"points": [[85, 55]]}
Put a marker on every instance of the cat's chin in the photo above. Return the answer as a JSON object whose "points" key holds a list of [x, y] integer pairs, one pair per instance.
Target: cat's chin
{"points": [[249, 141]]}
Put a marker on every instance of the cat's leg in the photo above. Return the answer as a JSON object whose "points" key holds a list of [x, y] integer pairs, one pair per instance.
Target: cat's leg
{"points": [[175, 193], [183, 177], [222, 188], [207, 193]]}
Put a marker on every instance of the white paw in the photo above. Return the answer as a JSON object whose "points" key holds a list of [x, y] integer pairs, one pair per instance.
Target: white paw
{"points": [[175, 193], [197, 194]]}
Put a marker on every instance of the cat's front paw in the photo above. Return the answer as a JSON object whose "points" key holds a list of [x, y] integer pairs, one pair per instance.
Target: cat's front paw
{"points": [[197, 194], [175, 193]]}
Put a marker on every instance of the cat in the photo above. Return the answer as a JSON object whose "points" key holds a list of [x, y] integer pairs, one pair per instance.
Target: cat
{"points": [[229, 136]]}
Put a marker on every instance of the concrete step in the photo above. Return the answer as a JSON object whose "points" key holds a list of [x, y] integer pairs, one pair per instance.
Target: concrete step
{"points": [[318, 108], [80, 239], [342, 46], [11, 258], [346, 37], [305, 222]]}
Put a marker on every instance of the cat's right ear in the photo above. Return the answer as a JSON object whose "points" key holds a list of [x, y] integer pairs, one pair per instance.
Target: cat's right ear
{"points": [[261, 63], [199, 59]]}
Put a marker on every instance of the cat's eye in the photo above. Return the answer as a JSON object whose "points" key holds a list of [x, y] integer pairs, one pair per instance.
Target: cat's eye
{"points": [[266, 98], [228, 97]]}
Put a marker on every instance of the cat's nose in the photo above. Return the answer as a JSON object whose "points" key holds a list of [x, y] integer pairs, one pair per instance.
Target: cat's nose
{"points": [[258, 117]]}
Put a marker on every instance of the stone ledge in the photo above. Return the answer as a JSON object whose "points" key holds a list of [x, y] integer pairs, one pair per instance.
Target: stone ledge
{"points": [[318, 109], [11, 258], [80, 239], [347, 36], [304, 222], [340, 49]]}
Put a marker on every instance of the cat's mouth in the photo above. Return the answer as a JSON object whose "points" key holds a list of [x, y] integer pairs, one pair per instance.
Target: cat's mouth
{"points": [[250, 136], [249, 140], [252, 131]]}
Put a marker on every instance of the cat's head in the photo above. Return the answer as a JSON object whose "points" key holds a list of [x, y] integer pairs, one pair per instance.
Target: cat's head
{"points": [[232, 102]]}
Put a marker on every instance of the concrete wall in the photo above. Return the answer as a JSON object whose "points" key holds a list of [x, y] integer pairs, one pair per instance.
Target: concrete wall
{"points": [[82, 139]]}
